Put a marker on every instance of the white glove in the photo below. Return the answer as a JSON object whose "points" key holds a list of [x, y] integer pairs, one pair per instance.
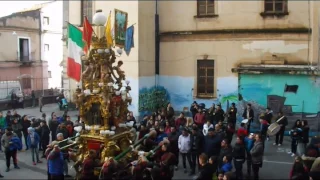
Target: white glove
{"points": [[141, 153]]}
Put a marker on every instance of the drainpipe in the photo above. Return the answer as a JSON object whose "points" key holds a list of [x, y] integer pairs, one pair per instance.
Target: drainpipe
{"points": [[40, 48], [157, 46]]}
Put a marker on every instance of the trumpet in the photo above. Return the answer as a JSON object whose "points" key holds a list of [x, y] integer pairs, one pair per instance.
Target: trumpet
{"points": [[71, 138], [69, 145]]}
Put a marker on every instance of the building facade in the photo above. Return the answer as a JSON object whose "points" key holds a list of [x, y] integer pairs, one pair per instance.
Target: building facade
{"points": [[26, 40], [52, 44], [259, 52]]}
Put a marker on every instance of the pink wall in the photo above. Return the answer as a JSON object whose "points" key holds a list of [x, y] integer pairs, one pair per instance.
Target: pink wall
{"points": [[10, 71]]}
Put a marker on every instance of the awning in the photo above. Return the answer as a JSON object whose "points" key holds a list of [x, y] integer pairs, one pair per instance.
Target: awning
{"points": [[277, 69]]}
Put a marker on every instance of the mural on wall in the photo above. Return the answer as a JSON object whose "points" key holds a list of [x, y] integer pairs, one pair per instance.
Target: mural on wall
{"points": [[297, 96], [179, 92], [151, 99]]}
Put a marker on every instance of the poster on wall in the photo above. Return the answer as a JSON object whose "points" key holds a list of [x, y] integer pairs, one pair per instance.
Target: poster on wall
{"points": [[120, 27]]}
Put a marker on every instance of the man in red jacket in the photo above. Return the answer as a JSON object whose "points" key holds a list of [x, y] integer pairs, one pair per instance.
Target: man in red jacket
{"points": [[199, 119], [181, 121], [242, 132]]}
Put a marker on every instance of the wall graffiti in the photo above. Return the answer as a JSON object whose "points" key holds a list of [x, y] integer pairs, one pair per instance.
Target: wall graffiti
{"points": [[151, 99], [297, 96]]}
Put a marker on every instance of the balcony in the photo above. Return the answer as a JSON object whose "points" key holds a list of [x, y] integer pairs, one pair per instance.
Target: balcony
{"points": [[24, 58], [25, 61]]}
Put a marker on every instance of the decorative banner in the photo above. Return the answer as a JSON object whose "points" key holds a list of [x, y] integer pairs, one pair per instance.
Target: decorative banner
{"points": [[129, 40], [120, 27]]}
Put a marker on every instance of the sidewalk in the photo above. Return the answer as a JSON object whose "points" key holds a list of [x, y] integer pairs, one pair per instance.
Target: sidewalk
{"points": [[48, 109]]}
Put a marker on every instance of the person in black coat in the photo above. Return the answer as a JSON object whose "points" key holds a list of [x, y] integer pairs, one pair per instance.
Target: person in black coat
{"points": [[226, 150], [239, 156], [248, 114], [283, 123], [45, 136], [304, 134], [196, 141], [206, 171], [232, 114], [212, 143], [173, 138], [194, 109]]}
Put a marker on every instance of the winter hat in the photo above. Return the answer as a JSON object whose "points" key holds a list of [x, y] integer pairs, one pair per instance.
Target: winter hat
{"points": [[30, 129]]}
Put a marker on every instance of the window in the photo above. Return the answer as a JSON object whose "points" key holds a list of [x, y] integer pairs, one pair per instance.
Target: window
{"points": [[205, 7], [291, 88], [205, 78], [24, 49], [86, 10], [46, 47], [26, 83], [46, 20], [275, 6], [49, 74]]}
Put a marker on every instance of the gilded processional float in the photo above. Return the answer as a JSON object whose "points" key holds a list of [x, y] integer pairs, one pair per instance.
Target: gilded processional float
{"points": [[103, 106]]}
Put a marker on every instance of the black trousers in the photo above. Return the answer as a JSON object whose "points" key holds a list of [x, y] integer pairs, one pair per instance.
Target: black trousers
{"points": [[294, 144], [195, 160], [248, 126], [57, 177], [11, 154], [279, 136], [249, 163], [238, 164], [53, 135], [176, 153], [184, 157], [255, 169], [44, 144], [25, 135]]}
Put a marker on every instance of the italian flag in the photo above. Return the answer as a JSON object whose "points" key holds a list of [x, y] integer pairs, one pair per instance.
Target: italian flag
{"points": [[75, 46]]}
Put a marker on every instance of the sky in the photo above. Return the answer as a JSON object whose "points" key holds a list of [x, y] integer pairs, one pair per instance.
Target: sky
{"points": [[9, 7]]}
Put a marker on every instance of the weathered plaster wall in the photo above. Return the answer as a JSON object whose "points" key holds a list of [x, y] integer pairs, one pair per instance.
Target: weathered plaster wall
{"points": [[231, 15]]}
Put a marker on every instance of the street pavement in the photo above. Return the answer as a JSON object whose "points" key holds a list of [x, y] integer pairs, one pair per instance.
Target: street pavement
{"points": [[277, 163]]}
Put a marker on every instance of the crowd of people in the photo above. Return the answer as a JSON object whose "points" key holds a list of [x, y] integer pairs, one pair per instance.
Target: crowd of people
{"points": [[35, 133], [203, 141]]}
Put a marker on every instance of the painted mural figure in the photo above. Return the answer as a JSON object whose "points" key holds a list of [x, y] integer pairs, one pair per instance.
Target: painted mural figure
{"points": [[248, 114]]}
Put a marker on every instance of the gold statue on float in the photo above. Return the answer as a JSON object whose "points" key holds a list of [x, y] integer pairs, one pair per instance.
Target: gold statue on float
{"points": [[103, 105]]}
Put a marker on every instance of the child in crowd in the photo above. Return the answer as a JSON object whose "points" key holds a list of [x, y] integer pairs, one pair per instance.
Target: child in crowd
{"points": [[227, 166], [33, 141]]}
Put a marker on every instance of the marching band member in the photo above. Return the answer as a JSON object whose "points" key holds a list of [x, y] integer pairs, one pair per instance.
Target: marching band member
{"points": [[248, 114], [232, 115], [282, 123]]}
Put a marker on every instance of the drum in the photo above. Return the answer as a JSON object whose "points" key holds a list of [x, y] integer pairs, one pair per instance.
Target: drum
{"points": [[273, 129]]}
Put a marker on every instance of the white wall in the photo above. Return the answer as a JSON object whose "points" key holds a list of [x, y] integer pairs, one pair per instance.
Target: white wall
{"points": [[52, 35]]}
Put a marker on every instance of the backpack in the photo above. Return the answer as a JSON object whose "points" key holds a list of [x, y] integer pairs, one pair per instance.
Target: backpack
{"points": [[16, 144]]}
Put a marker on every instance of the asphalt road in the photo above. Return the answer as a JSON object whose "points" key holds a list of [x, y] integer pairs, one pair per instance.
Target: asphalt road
{"points": [[277, 163]]}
